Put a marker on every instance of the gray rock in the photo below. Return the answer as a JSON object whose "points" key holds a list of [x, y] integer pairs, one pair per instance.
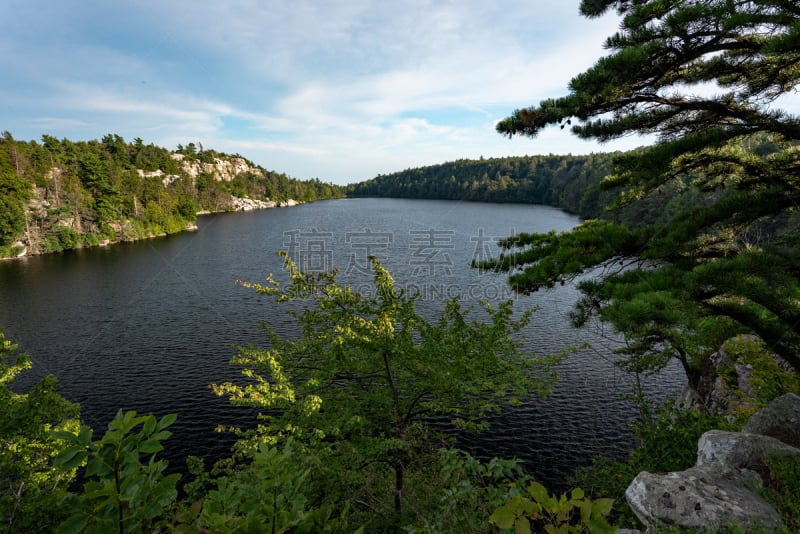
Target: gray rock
{"points": [[740, 450], [719, 489], [713, 394], [726, 385], [700, 497], [781, 420]]}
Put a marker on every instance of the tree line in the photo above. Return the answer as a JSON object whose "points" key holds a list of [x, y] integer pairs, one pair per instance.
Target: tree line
{"points": [[568, 182]]}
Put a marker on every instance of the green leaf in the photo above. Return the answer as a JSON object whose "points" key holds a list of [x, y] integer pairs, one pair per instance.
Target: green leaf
{"points": [[97, 467], [167, 420], [73, 525], [162, 435], [63, 434], [586, 510], [603, 506], [85, 435], [151, 446], [522, 526], [149, 425], [503, 518], [71, 457], [538, 492], [129, 492]]}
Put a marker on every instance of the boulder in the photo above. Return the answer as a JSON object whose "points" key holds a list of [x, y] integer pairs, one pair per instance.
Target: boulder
{"points": [[721, 488], [739, 450], [780, 420], [700, 497]]}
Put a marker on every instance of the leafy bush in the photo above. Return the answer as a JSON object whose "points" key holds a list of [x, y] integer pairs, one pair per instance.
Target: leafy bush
{"points": [[125, 494], [68, 238], [783, 490], [669, 440], [7, 251], [31, 489], [464, 491], [272, 493], [545, 512]]}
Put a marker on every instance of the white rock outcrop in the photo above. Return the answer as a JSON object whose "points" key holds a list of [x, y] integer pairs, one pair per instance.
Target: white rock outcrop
{"points": [[223, 170], [248, 204]]}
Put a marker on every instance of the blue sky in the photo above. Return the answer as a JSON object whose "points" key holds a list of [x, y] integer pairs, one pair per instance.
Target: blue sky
{"points": [[339, 90]]}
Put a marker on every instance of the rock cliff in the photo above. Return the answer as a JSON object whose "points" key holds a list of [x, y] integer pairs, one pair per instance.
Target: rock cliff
{"points": [[223, 170]]}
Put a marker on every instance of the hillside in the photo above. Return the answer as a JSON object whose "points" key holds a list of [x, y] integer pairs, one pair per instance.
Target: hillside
{"points": [[572, 183], [61, 194], [568, 182]]}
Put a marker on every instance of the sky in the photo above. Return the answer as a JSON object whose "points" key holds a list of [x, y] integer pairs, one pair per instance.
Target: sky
{"points": [[338, 90]]}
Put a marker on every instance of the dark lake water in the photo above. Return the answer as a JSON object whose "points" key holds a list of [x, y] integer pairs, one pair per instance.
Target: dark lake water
{"points": [[148, 326]]}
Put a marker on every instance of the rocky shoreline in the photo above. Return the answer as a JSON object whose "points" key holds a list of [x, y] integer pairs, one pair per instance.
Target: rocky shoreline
{"points": [[237, 204]]}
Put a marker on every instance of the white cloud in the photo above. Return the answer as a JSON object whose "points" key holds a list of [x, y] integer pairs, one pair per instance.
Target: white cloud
{"points": [[342, 90]]}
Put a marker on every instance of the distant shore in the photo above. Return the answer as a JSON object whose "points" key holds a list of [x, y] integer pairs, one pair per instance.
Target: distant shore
{"points": [[238, 204]]}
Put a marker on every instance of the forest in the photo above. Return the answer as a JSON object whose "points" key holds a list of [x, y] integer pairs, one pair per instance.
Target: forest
{"points": [[59, 194], [568, 182], [572, 183]]}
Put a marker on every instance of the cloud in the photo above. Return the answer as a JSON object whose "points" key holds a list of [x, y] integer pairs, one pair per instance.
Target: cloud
{"points": [[58, 123], [341, 90]]}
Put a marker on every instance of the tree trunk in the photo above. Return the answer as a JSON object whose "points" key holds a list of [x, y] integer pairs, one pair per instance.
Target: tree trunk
{"points": [[398, 488]]}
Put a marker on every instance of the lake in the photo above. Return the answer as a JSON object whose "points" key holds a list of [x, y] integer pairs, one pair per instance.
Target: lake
{"points": [[147, 326]]}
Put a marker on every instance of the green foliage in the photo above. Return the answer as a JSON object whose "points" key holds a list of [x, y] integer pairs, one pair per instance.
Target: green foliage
{"points": [[545, 512], [767, 380], [88, 191], [14, 192], [10, 252], [125, 494], [669, 438], [553, 254], [68, 238], [31, 489], [466, 491], [568, 182], [667, 442], [268, 494], [731, 252], [783, 490], [367, 370]]}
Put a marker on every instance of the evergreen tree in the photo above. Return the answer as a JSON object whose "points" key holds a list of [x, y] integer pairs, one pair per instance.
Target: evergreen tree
{"points": [[14, 192], [706, 77]]}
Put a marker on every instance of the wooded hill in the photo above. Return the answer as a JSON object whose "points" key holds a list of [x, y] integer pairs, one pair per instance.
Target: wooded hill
{"points": [[572, 183], [569, 182], [61, 194]]}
